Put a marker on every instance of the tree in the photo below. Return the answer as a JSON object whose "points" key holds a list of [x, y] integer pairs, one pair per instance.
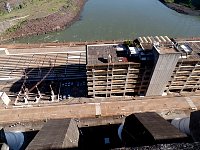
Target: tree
{"points": [[196, 3]]}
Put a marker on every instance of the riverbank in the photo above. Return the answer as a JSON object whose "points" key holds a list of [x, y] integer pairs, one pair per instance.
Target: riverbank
{"points": [[181, 8], [59, 20]]}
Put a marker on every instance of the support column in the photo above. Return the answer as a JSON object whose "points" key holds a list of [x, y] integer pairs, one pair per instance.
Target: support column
{"points": [[126, 82]]}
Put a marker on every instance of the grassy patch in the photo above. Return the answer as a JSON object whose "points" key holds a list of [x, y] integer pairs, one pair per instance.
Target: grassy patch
{"points": [[15, 27], [36, 8]]}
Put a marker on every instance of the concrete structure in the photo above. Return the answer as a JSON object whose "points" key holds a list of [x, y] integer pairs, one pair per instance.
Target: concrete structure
{"points": [[143, 68], [39, 75], [124, 75], [195, 125], [101, 133], [4, 97], [168, 107], [147, 66], [165, 59], [185, 77], [149, 128], [56, 134]]}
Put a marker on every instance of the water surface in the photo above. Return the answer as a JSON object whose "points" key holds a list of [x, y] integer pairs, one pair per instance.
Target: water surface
{"points": [[124, 19]]}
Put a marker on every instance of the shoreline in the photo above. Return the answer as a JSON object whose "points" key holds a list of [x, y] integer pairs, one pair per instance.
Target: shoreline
{"points": [[54, 22], [181, 9]]}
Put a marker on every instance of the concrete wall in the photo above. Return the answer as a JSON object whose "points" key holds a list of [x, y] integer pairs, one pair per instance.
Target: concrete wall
{"points": [[56, 134], [72, 136], [164, 66], [195, 125]]}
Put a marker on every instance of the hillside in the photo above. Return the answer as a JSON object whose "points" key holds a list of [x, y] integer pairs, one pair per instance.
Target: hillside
{"points": [[188, 7], [195, 4], [32, 17]]}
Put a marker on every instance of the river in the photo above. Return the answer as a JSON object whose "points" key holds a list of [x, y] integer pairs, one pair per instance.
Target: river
{"points": [[124, 19]]}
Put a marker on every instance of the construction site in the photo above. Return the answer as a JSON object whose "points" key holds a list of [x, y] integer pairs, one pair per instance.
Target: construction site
{"points": [[102, 83], [30, 76], [146, 66]]}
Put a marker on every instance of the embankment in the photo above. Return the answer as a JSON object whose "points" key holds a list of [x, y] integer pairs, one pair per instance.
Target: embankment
{"points": [[181, 8], [53, 22]]}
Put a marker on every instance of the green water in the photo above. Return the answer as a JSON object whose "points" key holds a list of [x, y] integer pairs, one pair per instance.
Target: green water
{"points": [[124, 19]]}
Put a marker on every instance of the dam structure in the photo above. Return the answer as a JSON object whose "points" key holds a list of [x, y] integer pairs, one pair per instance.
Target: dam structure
{"points": [[103, 87], [146, 66]]}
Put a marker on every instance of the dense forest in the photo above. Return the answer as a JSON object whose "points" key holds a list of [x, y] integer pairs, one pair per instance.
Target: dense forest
{"points": [[189, 3]]}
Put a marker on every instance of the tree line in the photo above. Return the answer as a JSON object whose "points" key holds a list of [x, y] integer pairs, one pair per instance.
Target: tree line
{"points": [[189, 3]]}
